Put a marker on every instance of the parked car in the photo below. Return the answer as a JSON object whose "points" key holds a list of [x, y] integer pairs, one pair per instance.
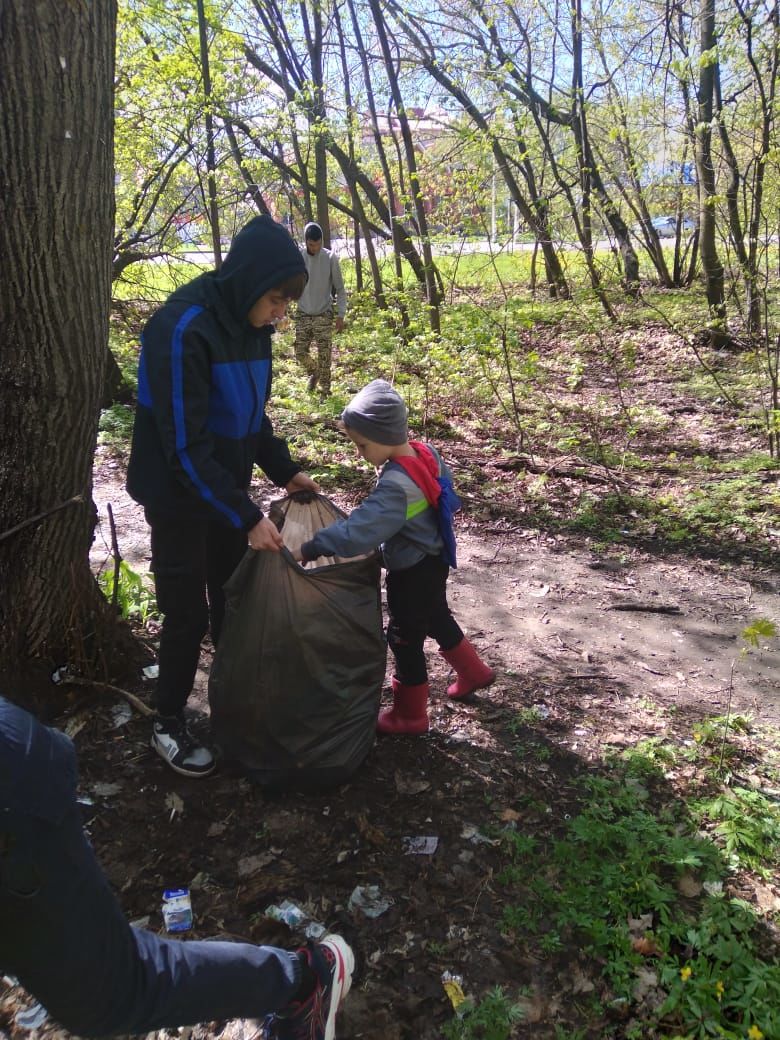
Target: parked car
{"points": [[666, 227]]}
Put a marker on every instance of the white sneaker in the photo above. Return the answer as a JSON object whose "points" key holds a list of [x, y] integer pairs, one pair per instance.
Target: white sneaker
{"points": [[172, 742], [332, 962]]}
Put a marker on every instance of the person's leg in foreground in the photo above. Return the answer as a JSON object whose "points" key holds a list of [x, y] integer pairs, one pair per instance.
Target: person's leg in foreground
{"points": [[65, 938]]}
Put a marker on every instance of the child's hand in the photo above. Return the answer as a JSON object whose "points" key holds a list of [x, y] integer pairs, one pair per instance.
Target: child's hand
{"points": [[297, 555]]}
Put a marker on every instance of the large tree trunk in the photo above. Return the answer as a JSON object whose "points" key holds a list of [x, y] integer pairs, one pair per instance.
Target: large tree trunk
{"points": [[211, 154], [712, 267], [56, 187], [433, 290]]}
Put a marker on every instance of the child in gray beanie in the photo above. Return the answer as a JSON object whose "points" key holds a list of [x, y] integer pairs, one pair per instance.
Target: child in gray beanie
{"points": [[408, 516]]}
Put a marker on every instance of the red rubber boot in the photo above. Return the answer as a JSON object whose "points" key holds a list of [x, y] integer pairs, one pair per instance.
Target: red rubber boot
{"points": [[409, 713], [473, 674]]}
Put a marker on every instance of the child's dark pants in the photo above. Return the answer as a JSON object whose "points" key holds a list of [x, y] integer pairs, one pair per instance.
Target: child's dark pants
{"points": [[417, 605]]}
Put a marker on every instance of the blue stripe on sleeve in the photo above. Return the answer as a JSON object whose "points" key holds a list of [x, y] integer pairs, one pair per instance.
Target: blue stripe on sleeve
{"points": [[144, 390], [179, 420]]}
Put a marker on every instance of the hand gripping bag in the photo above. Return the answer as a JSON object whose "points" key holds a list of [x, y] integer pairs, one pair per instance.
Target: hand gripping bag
{"points": [[296, 681]]}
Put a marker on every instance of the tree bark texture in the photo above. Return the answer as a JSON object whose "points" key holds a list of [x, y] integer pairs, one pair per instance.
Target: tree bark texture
{"points": [[712, 268], [56, 229]]}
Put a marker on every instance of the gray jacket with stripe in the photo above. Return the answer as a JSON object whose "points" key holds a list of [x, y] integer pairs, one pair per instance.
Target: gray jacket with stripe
{"points": [[395, 517]]}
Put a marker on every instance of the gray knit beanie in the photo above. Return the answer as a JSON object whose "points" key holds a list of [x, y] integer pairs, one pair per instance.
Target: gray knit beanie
{"points": [[378, 412]]}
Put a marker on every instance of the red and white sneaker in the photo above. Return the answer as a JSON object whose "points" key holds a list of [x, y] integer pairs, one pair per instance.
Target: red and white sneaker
{"points": [[333, 962]]}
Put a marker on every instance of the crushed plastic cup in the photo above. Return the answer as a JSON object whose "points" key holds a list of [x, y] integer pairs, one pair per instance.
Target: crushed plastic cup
{"points": [[473, 834], [288, 913], [420, 846], [370, 901], [295, 918], [177, 909]]}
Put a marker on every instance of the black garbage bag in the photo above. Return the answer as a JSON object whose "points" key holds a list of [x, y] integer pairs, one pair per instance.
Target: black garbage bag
{"points": [[296, 681]]}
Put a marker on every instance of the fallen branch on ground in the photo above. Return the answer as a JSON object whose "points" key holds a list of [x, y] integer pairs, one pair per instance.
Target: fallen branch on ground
{"points": [[578, 471], [136, 702], [649, 608]]}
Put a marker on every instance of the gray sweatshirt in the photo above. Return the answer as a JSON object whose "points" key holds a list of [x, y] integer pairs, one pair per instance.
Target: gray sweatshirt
{"points": [[324, 281], [395, 517]]}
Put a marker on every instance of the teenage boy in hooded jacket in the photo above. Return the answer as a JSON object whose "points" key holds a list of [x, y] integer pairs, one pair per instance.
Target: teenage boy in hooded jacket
{"points": [[204, 379]]}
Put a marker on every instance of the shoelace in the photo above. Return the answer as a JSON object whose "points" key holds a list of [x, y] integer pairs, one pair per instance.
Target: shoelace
{"points": [[179, 732]]}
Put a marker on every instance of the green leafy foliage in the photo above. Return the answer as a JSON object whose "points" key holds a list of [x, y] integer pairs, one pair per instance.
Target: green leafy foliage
{"points": [[761, 628], [748, 824], [134, 593], [623, 858], [116, 426]]}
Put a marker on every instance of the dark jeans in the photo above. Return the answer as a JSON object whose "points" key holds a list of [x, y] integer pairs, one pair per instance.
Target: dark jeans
{"points": [[63, 933], [192, 558], [417, 605]]}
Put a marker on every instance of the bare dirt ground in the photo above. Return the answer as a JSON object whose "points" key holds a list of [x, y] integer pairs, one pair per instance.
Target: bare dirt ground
{"points": [[592, 650]]}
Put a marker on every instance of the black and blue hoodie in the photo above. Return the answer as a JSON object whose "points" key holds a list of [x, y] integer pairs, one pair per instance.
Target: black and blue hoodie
{"points": [[203, 381]]}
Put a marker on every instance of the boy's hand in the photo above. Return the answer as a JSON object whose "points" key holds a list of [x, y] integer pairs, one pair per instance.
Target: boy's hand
{"points": [[301, 482], [297, 555], [265, 535]]}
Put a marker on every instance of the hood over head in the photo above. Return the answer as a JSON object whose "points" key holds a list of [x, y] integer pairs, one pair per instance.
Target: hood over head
{"points": [[262, 255]]}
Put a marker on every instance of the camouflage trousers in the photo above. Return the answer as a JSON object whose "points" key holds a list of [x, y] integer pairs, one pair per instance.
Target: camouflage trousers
{"points": [[316, 329]]}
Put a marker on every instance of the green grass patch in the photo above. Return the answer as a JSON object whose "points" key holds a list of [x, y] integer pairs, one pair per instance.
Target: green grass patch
{"points": [[133, 593], [714, 513]]}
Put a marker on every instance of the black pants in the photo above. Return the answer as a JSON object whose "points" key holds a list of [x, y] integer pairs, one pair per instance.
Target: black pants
{"points": [[417, 605], [192, 558]]}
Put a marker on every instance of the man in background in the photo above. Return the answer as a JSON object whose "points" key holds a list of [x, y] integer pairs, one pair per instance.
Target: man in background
{"points": [[314, 319]]}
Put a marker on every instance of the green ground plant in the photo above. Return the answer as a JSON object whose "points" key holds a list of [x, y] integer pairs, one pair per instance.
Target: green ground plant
{"points": [[132, 592], [748, 825], [491, 1018]]}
